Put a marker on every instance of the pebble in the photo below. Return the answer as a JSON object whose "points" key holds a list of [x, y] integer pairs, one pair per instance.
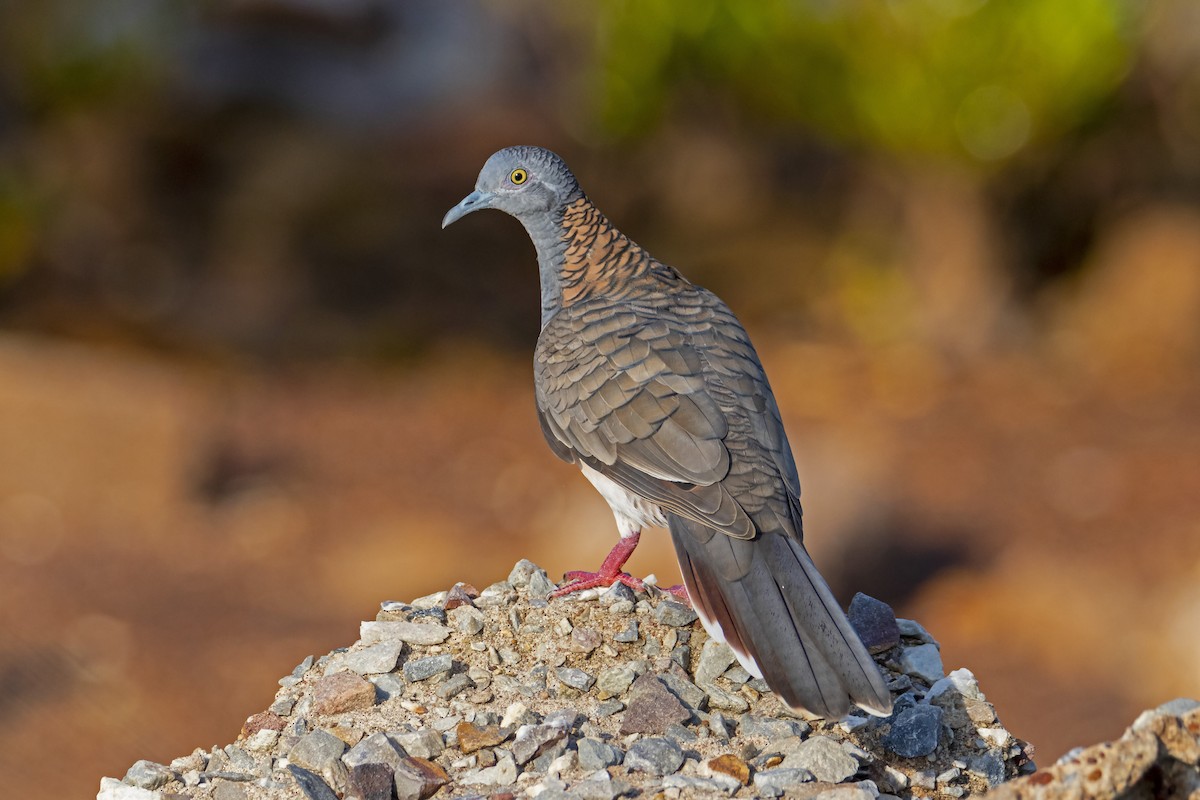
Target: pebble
{"points": [[987, 766], [585, 640], [416, 633], [228, 790], [342, 692], [915, 731], [113, 789], [417, 778], [609, 707], [430, 601], [424, 743], [298, 673], [770, 727], [630, 634], [595, 754], [147, 775], [729, 765], [575, 678], [375, 659], [911, 629], [652, 707], [453, 686], [705, 787], [420, 669], [370, 781], [471, 737], [468, 619], [778, 781], [614, 681], [536, 740], [540, 584], [689, 693], [311, 784], [503, 773], [378, 748], [725, 701], [669, 612], [923, 661], [317, 750], [824, 758], [617, 593], [715, 658], [388, 685], [656, 755], [874, 622]]}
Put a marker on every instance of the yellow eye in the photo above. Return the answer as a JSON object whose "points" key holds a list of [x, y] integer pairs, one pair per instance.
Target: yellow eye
{"points": [[518, 176]]}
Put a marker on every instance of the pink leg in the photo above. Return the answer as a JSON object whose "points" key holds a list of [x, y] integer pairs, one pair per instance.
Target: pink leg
{"points": [[609, 572]]}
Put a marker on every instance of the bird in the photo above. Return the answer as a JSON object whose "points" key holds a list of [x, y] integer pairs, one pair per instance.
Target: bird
{"points": [[651, 386]]}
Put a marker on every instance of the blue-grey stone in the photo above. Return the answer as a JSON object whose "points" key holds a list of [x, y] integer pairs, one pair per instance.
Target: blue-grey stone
{"points": [[630, 634], [419, 669], [657, 755], [874, 622], [770, 727], [595, 754], [317, 750], [311, 784], [147, 775], [988, 766], [378, 748], [775, 782], [923, 661], [575, 678], [669, 612], [824, 758], [915, 731], [715, 658]]}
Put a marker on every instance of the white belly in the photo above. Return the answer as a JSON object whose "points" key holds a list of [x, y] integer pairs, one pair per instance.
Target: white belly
{"points": [[631, 511]]}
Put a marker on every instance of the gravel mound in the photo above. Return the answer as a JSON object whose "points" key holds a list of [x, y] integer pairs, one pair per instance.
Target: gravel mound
{"points": [[501, 693]]}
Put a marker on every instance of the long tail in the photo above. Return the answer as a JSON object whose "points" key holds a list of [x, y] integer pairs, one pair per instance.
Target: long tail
{"points": [[765, 598]]}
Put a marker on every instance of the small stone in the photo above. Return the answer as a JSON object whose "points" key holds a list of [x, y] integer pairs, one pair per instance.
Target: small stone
{"points": [[536, 740], [503, 773], [911, 629], [824, 758], [416, 633], [630, 634], [518, 577], [915, 731], [342, 692], [311, 784], [261, 740], [987, 766], [460, 594], [770, 727], [283, 705], [516, 714], [424, 743], [584, 640], [715, 658], [949, 776], [680, 733], [430, 601], [617, 593], [418, 778], [689, 693], [723, 700], [375, 659], [896, 780], [471, 737], [467, 619], [609, 707], [701, 787], [388, 685], [874, 622], [775, 782], [229, 790], [657, 756], [371, 781], [113, 789], [317, 750], [669, 612], [923, 661], [652, 707], [731, 765], [575, 678], [267, 720], [540, 584], [378, 748], [297, 673], [563, 763], [614, 681], [996, 737], [147, 775], [453, 686], [420, 669], [595, 754]]}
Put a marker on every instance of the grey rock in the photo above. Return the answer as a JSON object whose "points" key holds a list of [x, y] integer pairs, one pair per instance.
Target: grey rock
{"points": [[689, 693], [113, 789], [535, 740], [915, 731], [566, 718], [715, 658], [518, 577], [417, 633], [669, 612], [704, 787], [617, 593], [652, 707], [923, 661], [575, 678], [502, 773], [388, 685], [595, 754], [609, 707], [283, 705], [378, 748], [453, 686], [540, 584], [425, 743], [375, 659], [778, 781], [771, 728], [656, 755], [682, 655], [874, 622], [724, 700], [680, 733], [630, 634], [311, 784], [147, 775], [228, 790], [371, 781], [949, 776], [988, 766], [467, 619], [614, 681], [911, 629], [824, 758], [317, 750], [297, 673], [420, 669]]}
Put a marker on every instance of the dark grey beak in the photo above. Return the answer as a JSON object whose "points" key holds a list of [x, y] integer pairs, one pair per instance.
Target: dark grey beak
{"points": [[472, 202]]}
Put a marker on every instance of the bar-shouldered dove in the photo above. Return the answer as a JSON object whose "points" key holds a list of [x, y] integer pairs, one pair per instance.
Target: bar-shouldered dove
{"points": [[651, 386]]}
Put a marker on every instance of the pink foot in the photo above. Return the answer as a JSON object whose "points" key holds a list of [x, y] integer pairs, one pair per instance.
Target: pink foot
{"points": [[680, 592], [609, 572]]}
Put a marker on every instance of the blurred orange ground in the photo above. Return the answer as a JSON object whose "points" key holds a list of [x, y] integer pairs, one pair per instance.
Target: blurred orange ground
{"points": [[174, 537]]}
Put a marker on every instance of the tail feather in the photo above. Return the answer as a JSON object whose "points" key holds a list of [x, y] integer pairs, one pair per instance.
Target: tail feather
{"points": [[765, 598]]}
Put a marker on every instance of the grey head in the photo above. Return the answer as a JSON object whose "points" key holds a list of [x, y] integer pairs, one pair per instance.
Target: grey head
{"points": [[524, 181]]}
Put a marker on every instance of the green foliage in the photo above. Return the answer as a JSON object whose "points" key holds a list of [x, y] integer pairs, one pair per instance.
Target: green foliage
{"points": [[961, 78]]}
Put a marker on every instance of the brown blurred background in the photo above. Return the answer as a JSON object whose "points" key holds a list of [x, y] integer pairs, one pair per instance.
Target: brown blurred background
{"points": [[248, 388]]}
